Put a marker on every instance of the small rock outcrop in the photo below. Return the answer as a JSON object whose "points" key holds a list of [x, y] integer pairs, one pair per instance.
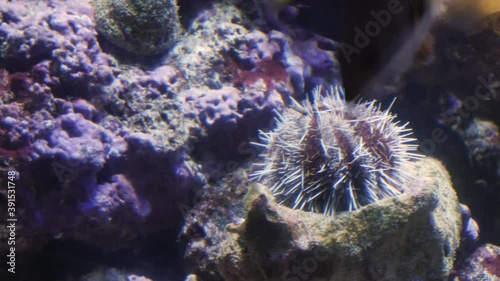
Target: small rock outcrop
{"points": [[413, 236], [143, 27]]}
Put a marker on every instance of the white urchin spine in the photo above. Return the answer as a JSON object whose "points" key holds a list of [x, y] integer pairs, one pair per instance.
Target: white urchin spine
{"points": [[332, 156]]}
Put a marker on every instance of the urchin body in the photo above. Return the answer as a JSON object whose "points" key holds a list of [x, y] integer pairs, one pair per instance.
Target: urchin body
{"points": [[335, 156]]}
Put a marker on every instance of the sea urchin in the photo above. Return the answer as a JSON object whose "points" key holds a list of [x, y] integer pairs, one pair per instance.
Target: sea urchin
{"points": [[332, 156]]}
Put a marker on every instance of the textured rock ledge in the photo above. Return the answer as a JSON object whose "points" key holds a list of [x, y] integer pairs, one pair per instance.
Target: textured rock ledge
{"points": [[410, 237], [483, 264]]}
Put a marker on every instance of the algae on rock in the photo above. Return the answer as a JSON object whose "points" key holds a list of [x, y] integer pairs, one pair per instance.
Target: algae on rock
{"points": [[146, 27], [413, 236]]}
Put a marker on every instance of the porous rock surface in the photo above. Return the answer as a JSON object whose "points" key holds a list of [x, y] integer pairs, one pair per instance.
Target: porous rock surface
{"points": [[483, 264], [145, 27], [413, 236]]}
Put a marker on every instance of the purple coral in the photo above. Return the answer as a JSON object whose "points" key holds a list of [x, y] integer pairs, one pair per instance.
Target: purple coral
{"points": [[62, 38], [94, 168], [79, 141], [482, 264], [108, 198]]}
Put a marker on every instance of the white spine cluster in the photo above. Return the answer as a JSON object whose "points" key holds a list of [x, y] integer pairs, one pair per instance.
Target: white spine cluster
{"points": [[332, 156]]}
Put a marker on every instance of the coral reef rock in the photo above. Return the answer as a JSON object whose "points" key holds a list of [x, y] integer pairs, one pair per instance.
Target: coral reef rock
{"points": [[413, 236], [143, 27], [112, 274], [90, 137], [483, 264]]}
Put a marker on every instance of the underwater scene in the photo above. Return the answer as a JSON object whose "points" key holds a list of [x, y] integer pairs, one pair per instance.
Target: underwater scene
{"points": [[250, 140]]}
